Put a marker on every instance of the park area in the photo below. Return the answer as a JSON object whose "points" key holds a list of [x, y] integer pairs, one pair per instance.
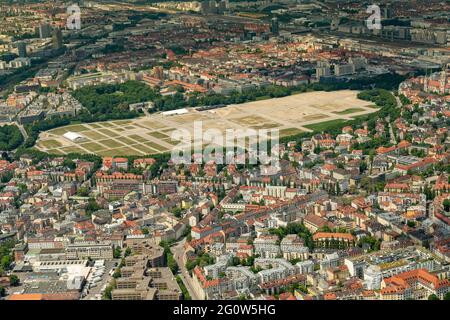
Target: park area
{"points": [[152, 133]]}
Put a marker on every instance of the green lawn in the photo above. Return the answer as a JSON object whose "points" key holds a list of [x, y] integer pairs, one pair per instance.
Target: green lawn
{"points": [[111, 143], [145, 149], [55, 151], [155, 146], [362, 116], [95, 125], [166, 130], [72, 150], [289, 132], [126, 151], [108, 153], [137, 149], [158, 135], [169, 141], [92, 146], [349, 111], [50, 144], [118, 152], [94, 135], [73, 128], [138, 138], [323, 126], [127, 141], [108, 132], [121, 122], [77, 127]]}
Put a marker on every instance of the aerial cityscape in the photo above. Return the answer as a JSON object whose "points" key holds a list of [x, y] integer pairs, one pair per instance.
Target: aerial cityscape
{"points": [[224, 150]]}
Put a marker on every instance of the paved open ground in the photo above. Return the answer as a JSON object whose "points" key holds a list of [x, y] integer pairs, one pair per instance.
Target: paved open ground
{"points": [[152, 133]]}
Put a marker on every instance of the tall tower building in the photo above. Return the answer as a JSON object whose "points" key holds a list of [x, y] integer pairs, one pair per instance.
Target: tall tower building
{"points": [[57, 39], [22, 49], [45, 31], [275, 26]]}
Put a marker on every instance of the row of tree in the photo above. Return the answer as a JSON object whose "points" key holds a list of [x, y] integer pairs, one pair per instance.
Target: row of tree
{"points": [[6, 257]]}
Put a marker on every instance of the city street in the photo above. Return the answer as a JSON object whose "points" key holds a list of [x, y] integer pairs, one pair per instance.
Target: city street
{"points": [[178, 254]]}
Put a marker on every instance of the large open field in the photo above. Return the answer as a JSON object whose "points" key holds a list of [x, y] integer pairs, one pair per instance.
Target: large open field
{"points": [[152, 134]]}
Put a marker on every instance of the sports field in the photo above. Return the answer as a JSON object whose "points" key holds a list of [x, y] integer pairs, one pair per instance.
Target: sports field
{"points": [[152, 134]]}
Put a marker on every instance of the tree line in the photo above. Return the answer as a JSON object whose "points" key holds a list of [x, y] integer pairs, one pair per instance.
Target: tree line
{"points": [[177, 101]]}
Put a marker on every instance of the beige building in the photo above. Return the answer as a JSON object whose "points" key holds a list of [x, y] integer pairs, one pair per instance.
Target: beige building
{"points": [[89, 249]]}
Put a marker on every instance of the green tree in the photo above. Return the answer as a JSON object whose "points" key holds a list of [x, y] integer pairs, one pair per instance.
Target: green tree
{"points": [[127, 252], [5, 262], [83, 192], [14, 280], [373, 242], [433, 297], [172, 264], [183, 288], [117, 253], [10, 137], [411, 224], [446, 204], [203, 259], [177, 212], [117, 273], [92, 206], [107, 294]]}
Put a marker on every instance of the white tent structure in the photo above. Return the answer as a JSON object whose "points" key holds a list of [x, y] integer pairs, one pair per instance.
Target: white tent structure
{"points": [[175, 112], [73, 136]]}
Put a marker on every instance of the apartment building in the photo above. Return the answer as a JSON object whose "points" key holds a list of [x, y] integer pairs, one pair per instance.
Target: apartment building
{"points": [[89, 249], [292, 247], [417, 284]]}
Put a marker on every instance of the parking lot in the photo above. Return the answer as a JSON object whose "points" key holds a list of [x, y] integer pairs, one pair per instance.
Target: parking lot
{"points": [[98, 280]]}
